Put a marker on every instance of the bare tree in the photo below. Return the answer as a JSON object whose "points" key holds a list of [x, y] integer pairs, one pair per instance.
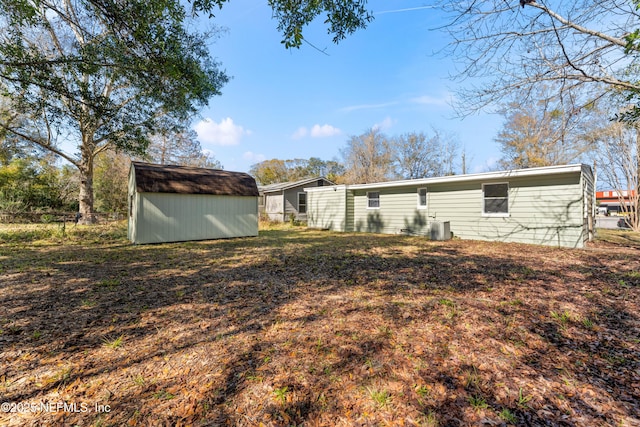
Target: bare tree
{"points": [[368, 158], [542, 133], [585, 48], [180, 148], [618, 159], [416, 155]]}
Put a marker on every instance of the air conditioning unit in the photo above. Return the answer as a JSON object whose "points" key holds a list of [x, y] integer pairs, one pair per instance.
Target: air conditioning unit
{"points": [[440, 230]]}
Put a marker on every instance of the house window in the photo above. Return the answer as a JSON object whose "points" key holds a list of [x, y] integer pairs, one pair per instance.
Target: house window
{"points": [[495, 199], [422, 198], [373, 200], [302, 203]]}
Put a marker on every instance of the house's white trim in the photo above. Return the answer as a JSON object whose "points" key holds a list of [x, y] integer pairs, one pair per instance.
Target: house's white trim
{"points": [[496, 214], [485, 176], [373, 207], [305, 202], [426, 200]]}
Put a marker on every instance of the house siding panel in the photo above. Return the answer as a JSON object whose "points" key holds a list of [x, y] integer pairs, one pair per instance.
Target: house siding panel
{"points": [[544, 208], [327, 209], [273, 206], [398, 212]]}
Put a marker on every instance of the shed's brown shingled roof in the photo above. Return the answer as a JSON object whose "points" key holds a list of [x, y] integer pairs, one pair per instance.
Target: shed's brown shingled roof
{"points": [[152, 178]]}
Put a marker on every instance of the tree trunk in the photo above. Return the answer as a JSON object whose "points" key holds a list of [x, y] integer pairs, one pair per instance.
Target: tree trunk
{"points": [[86, 186]]}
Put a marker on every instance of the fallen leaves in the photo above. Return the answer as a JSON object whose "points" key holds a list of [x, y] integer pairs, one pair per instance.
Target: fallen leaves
{"points": [[319, 328]]}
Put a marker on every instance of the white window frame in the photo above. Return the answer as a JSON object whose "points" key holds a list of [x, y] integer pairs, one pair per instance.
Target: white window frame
{"points": [[495, 214], [305, 202], [370, 199], [426, 201]]}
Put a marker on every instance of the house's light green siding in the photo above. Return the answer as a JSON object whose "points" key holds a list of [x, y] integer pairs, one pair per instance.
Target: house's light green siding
{"points": [[168, 217], [398, 212], [548, 209], [327, 209]]}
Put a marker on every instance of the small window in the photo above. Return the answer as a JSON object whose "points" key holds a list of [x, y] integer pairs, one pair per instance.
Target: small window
{"points": [[422, 198], [496, 199], [373, 200], [302, 203]]}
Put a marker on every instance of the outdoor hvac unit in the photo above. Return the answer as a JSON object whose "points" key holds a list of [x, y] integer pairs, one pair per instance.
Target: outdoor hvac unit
{"points": [[440, 230]]}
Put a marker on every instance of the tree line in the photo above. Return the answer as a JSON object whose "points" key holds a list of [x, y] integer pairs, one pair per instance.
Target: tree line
{"points": [[372, 156]]}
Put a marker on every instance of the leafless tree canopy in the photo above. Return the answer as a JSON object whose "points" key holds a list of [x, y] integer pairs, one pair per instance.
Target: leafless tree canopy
{"points": [[580, 47], [618, 159]]}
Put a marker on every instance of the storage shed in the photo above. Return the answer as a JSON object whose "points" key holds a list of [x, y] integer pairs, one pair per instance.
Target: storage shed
{"points": [[548, 206], [181, 203]]}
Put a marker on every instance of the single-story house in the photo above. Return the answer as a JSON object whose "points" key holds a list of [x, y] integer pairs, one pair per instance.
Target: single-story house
{"points": [[548, 206], [181, 203], [279, 201]]}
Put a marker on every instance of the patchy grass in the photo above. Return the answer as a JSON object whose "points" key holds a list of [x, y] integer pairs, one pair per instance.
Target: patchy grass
{"points": [[301, 327]]}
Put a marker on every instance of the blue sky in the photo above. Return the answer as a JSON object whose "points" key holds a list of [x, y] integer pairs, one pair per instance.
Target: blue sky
{"points": [[302, 103]]}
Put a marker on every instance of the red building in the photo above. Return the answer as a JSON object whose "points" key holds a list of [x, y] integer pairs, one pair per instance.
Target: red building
{"points": [[611, 199]]}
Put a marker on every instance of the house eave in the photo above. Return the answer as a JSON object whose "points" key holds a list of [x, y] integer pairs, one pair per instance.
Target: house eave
{"points": [[484, 176]]}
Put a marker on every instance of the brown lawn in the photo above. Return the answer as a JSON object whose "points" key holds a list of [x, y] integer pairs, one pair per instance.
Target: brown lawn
{"points": [[300, 327]]}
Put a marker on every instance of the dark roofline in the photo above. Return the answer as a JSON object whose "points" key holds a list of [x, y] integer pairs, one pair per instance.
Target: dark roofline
{"points": [[269, 188], [153, 178]]}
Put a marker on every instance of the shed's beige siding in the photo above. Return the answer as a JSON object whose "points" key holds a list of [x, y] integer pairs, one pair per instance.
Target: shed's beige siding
{"points": [[167, 217], [179, 203]]}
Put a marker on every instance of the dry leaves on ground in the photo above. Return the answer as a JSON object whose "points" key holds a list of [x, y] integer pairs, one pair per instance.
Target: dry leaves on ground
{"points": [[315, 328]]}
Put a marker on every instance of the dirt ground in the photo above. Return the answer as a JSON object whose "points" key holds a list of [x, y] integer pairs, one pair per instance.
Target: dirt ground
{"points": [[299, 327]]}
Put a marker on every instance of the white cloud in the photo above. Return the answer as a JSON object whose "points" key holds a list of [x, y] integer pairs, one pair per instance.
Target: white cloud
{"points": [[301, 132], [317, 131], [384, 125], [491, 164], [367, 106], [323, 131], [432, 100], [224, 133], [253, 157]]}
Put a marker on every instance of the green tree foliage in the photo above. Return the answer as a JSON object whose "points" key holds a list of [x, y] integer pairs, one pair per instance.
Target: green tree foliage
{"points": [[28, 184], [111, 177], [342, 17], [277, 170], [76, 73]]}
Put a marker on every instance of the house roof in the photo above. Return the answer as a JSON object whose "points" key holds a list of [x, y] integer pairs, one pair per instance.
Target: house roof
{"points": [[151, 178], [547, 170], [292, 184]]}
